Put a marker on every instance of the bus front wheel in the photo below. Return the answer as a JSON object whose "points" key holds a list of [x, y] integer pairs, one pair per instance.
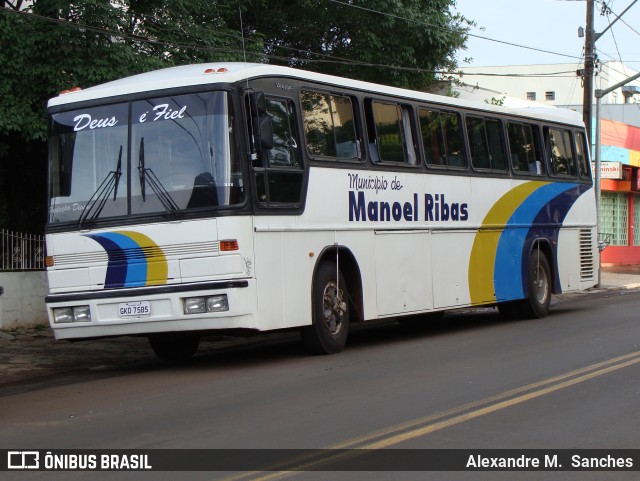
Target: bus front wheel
{"points": [[330, 312], [536, 306], [175, 347]]}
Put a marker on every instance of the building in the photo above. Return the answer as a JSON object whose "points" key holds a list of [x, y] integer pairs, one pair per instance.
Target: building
{"points": [[559, 85]]}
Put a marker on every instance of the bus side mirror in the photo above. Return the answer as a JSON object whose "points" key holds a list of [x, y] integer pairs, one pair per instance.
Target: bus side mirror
{"points": [[265, 132], [262, 125], [258, 103]]}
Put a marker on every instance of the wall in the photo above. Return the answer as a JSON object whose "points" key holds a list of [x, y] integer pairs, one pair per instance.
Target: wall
{"points": [[620, 256], [22, 303]]}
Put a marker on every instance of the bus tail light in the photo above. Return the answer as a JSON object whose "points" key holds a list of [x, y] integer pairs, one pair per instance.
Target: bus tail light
{"points": [[229, 245], [49, 261]]}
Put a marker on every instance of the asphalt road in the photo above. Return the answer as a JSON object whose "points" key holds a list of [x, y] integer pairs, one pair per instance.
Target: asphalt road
{"points": [[472, 380]]}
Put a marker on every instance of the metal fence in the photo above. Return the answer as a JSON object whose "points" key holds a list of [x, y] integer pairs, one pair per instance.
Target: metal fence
{"points": [[21, 252]]}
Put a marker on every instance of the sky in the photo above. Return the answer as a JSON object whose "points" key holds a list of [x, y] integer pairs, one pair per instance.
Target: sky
{"points": [[550, 25]]}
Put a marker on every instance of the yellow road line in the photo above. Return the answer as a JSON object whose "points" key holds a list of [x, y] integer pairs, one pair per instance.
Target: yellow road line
{"points": [[430, 424], [495, 407]]}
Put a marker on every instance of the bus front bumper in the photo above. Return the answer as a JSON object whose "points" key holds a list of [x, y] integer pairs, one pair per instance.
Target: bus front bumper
{"points": [[150, 310]]}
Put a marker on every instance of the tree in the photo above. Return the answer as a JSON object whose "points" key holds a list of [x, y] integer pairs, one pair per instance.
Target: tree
{"points": [[53, 45], [394, 42]]}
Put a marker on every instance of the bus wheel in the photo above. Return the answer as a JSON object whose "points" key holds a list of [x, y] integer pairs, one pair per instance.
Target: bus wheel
{"points": [[175, 347], [330, 310], [536, 306]]}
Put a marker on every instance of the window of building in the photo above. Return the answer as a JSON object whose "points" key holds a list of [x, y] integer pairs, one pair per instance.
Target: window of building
{"points": [[614, 215], [549, 95], [531, 95], [442, 138]]}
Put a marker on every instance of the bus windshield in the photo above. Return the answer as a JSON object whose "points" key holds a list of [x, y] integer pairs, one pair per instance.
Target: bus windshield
{"points": [[156, 156]]}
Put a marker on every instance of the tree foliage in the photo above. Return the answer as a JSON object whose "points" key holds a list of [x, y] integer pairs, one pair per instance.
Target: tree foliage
{"points": [[53, 45], [395, 42]]}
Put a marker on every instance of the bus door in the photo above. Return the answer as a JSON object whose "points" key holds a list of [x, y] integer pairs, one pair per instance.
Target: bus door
{"points": [[278, 183]]}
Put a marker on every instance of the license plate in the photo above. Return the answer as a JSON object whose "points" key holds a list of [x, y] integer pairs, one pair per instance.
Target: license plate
{"points": [[134, 309]]}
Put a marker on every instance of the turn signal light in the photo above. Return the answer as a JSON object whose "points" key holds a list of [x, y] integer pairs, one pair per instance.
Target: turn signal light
{"points": [[229, 245]]}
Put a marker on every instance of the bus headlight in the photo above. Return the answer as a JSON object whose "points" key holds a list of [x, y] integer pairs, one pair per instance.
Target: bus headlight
{"points": [[217, 303], [200, 305], [194, 305], [63, 315], [82, 314]]}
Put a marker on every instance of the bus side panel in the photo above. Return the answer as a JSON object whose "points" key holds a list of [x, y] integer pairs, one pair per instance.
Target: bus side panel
{"points": [[300, 254], [285, 263], [450, 268], [361, 243], [270, 279], [569, 259], [578, 255], [403, 272]]}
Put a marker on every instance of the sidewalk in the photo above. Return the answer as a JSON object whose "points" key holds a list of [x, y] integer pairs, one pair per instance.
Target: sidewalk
{"points": [[27, 354], [626, 277]]}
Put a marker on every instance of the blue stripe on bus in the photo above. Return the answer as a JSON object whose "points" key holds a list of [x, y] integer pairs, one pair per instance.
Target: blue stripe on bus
{"points": [[539, 216], [127, 265]]}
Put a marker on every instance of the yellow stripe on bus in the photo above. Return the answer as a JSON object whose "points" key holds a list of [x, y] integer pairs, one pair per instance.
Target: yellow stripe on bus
{"points": [[485, 244], [157, 268]]}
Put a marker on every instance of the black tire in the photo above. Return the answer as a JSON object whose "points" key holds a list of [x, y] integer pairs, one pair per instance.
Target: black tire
{"points": [[175, 347], [539, 281], [330, 312]]}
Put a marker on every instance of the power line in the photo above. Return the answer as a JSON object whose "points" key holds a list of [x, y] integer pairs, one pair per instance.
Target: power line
{"points": [[105, 31], [325, 59], [341, 2]]}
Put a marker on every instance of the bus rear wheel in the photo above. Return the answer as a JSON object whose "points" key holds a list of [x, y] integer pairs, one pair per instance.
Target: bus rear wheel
{"points": [[539, 281], [175, 347], [330, 312]]}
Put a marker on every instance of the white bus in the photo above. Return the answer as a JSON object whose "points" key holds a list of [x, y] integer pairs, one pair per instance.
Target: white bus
{"points": [[216, 197]]}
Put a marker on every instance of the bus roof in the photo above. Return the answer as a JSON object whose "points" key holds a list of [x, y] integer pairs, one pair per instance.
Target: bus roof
{"points": [[231, 72]]}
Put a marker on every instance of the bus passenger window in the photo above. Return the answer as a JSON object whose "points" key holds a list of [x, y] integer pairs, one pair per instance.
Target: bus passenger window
{"points": [[442, 138], [485, 142], [583, 162], [329, 125], [390, 133], [559, 147], [524, 148]]}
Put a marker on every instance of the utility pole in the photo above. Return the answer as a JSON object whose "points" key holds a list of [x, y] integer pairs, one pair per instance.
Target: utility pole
{"points": [[589, 61]]}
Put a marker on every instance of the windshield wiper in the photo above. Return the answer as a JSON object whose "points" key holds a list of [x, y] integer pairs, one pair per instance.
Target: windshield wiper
{"points": [[141, 170], [148, 176], [102, 193]]}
